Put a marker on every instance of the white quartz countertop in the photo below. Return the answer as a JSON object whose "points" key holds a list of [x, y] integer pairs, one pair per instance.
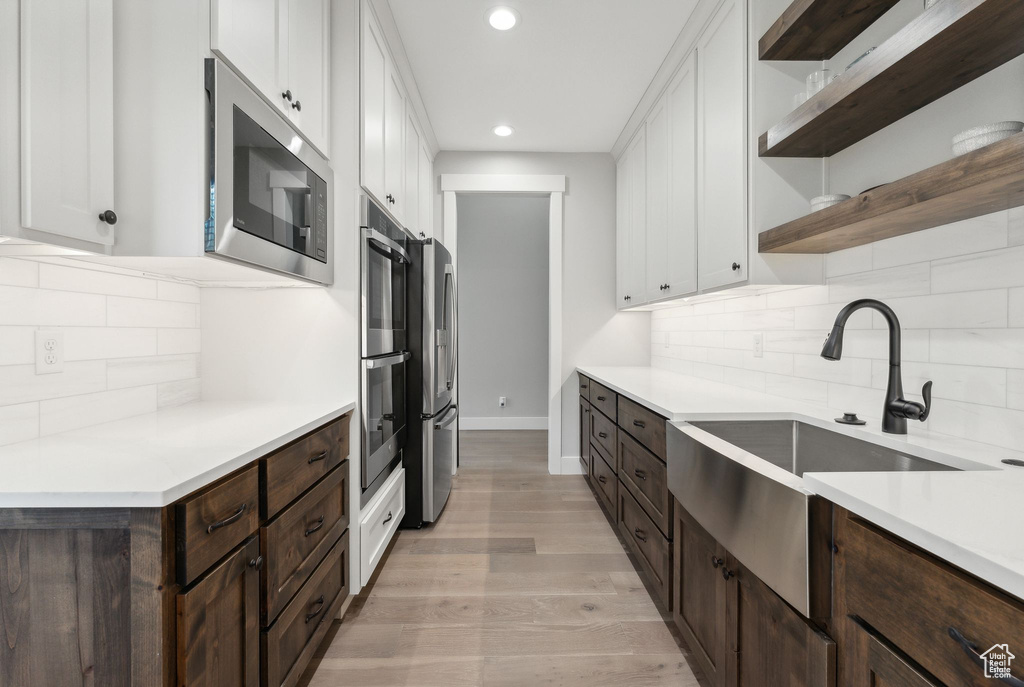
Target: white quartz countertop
{"points": [[972, 519], [151, 460]]}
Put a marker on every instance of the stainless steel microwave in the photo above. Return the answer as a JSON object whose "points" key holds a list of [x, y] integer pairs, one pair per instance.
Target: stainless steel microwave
{"points": [[271, 202]]}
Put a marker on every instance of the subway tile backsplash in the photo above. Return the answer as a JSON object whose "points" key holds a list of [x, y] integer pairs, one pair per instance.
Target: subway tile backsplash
{"points": [[958, 291], [131, 346]]}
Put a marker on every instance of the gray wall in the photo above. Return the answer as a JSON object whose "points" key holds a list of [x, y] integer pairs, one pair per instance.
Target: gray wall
{"points": [[593, 332], [503, 310]]}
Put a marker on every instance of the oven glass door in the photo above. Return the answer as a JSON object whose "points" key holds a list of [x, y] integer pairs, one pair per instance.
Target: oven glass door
{"points": [[384, 413], [276, 196], [384, 294]]}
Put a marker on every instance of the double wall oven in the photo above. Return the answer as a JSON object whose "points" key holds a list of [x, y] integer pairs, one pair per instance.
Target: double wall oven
{"points": [[384, 347]]}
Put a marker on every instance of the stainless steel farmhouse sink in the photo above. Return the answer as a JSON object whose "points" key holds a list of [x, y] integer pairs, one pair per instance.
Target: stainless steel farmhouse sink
{"points": [[742, 480]]}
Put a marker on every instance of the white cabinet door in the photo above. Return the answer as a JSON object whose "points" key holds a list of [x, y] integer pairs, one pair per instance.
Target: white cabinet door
{"points": [[306, 63], [622, 215], [247, 35], [67, 124], [636, 270], [372, 85], [721, 155], [426, 209], [659, 179], [411, 195], [394, 145], [680, 248]]}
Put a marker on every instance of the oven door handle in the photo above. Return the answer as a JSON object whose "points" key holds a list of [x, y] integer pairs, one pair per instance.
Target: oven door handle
{"points": [[377, 363], [386, 247], [445, 421]]}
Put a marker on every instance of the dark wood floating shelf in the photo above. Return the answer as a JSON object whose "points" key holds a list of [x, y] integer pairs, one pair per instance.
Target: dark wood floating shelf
{"points": [[818, 29], [947, 46], [975, 184]]}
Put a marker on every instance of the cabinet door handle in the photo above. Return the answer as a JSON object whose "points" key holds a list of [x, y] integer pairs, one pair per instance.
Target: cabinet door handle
{"points": [[287, 95], [315, 528], [726, 573], [735, 267], [601, 398], [388, 519], [602, 435], [639, 534], [716, 561], [256, 562], [602, 479], [639, 423], [297, 106], [975, 655], [108, 216], [319, 607], [228, 520], [640, 474], [318, 457]]}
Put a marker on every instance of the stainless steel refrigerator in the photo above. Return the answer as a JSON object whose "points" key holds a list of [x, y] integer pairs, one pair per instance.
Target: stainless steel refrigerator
{"points": [[432, 445]]}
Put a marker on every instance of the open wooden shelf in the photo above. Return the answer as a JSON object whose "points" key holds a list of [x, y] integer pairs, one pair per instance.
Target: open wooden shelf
{"points": [[947, 46], [818, 29], [978, 183]]}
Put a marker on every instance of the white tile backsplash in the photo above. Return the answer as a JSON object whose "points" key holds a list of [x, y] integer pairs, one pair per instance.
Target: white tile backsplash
{"points": [[958, 291], [131, 345]]}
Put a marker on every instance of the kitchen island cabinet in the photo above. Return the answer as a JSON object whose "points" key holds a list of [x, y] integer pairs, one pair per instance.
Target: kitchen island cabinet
{"points": [[205, 590]]}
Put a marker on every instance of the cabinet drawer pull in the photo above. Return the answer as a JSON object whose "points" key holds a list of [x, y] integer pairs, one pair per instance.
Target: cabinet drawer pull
{"points": [[602, 435], [726, 573], [319, 607], [601, 398], [256, 563], [640, 423], [972, 653], [602, 479], [318, 457], [316, 527], [716, 561], [388, 519], [640, 474], [639, 533], [227, 521], [583, 386]]}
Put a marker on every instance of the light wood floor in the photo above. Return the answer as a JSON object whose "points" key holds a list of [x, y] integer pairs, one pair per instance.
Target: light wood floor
{"points": [[522, 581]]}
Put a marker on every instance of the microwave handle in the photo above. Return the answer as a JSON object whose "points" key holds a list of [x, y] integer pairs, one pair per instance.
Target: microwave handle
{"points": [[376, 363], [387, 247]]}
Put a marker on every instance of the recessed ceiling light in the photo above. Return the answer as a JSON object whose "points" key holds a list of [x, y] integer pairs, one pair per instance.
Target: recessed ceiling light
{"points": [[502, 18], [503, 130]]}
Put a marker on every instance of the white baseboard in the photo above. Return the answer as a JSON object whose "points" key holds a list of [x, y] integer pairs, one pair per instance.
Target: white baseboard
{"points": [[482, 423], [571, 466]]}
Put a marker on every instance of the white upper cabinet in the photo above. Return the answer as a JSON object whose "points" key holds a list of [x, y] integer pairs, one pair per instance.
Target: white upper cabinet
{"points": [[722, 148], [394, 145], [372, 87], [659, 179], [680, 247], [426, 189], [411, 195], [631, 231], [67, 118], [622, 183], [306, 74], [282, 48]]}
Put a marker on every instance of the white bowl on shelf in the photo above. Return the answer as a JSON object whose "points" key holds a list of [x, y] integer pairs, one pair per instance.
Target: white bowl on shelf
{"points": [[822, 202], [981, 136]]}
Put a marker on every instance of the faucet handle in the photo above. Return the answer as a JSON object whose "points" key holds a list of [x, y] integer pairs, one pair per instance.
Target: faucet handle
{"points": [[916, 411], [926, 391]]}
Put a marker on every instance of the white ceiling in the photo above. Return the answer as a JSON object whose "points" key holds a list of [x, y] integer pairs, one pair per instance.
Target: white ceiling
{"points": [[567, 77]]}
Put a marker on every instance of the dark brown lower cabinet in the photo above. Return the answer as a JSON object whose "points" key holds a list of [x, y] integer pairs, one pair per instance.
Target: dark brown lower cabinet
{"points": [[219, 623], [885, 668], [585, 435]]}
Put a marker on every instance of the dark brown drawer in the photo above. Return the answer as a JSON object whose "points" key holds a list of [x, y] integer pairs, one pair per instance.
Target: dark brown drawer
{"points": [[603, 399], [652, 548], [602, 432], [604, 481], [295, 542], [214, 521], [646, 426], [289, 472], [585, 387], [645, 477], [289, 644], [933, 613]]}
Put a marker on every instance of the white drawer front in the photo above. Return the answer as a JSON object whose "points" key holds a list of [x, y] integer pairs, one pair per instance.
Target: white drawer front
{"points": [[380, 522]]}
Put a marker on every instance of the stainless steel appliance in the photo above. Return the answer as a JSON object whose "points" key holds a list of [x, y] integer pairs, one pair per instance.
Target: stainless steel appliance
{"points": [[432, 447], [271, 202], [383, 386]]}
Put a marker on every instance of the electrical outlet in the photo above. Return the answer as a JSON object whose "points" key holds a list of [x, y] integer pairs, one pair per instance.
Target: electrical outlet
{"points": [[49, 351], [502, 401], [758, 345]]}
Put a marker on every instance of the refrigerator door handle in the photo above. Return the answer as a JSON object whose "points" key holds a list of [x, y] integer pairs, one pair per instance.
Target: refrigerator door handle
{"points": [[444, 422], [453, 335]]}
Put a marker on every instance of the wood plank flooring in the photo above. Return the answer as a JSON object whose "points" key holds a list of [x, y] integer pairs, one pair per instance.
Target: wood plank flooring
{"points": [[522, 581]]}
